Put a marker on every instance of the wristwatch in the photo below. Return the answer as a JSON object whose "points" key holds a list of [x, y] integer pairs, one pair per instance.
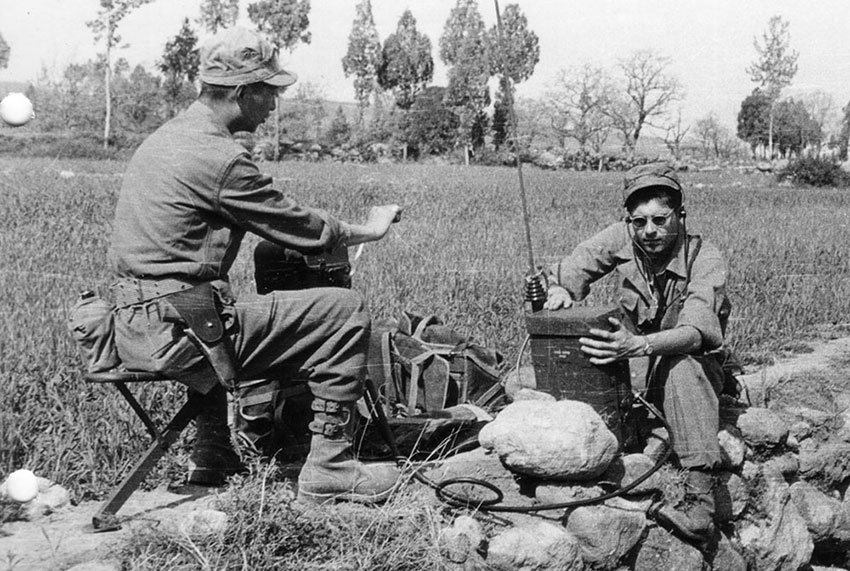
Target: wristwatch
{"points": [[648, 349]]}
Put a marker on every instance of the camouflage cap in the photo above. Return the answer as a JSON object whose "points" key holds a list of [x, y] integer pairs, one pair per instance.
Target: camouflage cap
{"points": [[238, 56], [649, 175]]}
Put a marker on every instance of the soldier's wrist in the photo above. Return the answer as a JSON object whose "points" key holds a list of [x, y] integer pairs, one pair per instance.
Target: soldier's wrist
{"points": [[645, 347]]}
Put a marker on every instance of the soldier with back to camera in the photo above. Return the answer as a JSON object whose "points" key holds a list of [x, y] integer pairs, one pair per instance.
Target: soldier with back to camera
{"points": [[672, 288], [189, 196]]}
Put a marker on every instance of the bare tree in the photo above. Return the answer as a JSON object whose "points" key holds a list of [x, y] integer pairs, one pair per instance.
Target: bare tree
{"points": [[648, 90], [674, 134], [716, 139], [708, 132], [532, 120], [578, 99]]}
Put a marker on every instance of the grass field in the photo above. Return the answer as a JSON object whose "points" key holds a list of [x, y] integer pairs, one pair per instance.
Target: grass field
{"points": [[459, 252]]}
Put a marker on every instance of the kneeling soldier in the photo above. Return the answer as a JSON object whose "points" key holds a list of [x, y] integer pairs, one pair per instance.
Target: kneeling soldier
{"points": [[672, 289]]}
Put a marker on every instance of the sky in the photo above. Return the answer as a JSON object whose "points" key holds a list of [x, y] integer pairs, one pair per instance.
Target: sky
{"points": [[709, 42]]}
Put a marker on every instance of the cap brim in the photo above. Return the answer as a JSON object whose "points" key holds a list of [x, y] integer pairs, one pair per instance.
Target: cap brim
{"points": [[649, 182], [282, 78]]}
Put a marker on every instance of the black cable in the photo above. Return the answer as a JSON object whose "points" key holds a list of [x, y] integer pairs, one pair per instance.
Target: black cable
{"points": [[494, 505]]}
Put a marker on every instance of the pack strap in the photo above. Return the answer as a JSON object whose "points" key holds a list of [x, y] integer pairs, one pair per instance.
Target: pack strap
{"points": [[423, 324], [391, 390]]}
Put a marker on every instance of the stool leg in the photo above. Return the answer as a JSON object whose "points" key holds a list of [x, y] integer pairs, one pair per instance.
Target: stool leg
{"points": [[106, 519]]}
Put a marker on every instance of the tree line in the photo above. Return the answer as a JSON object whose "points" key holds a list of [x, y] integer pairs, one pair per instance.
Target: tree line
{"points": [[583, 110]]}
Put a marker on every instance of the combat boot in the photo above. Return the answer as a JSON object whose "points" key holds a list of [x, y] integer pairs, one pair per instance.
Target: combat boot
{"points": [[331, 472], [695, 520], [213, 458]]}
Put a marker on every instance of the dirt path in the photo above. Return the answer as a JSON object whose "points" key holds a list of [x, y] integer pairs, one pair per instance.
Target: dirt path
{"points": [[61, 540], [64, 539]]}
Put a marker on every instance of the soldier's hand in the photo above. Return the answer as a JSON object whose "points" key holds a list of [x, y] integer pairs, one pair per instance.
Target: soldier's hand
{"points": [[605, 347], [557, 298], [381, 217]]}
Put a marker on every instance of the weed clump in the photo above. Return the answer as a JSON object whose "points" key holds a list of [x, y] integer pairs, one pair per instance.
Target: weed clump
{"points": [[268, 530], [814, 171]]}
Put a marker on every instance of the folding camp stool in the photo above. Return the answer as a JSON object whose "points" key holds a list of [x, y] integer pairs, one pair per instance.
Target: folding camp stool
{"points": [[106, 519]]}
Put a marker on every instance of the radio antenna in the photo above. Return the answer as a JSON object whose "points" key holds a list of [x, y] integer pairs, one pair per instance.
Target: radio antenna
{"points": [[534, 287]]}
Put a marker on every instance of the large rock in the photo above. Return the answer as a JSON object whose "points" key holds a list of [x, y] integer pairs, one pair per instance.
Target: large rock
{"points": [[564, 440], [606, 534], [762, 428], [541, 546], [825, 516], [662, 550], [779, 540]]}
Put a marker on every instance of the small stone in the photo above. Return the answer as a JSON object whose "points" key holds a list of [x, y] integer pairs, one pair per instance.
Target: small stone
{"points": [[727, 557], [605, 534], [733, 449], [625, 470], [458, 542], [657, 444], [662, 550], [762, 428], [50, 499], [535, 547]]}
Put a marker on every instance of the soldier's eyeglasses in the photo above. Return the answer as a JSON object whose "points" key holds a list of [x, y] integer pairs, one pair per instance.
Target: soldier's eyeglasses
{"points": [[641, 221]]}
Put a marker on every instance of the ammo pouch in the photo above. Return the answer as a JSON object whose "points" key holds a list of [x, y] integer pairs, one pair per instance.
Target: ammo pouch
{"points": [[91, 323]]}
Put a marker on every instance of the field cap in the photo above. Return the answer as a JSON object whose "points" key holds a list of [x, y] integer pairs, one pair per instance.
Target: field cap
{"points": [[649, 175], [238, 56]]}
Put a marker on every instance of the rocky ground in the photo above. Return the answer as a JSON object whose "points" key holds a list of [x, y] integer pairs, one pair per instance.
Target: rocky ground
{"points": [[814, 449]]}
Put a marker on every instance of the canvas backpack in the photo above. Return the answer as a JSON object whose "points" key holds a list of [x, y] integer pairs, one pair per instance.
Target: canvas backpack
{"points": [[421, 366]]}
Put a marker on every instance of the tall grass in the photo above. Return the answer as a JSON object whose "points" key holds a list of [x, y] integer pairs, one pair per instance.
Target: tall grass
{"points": [[459, 252]]}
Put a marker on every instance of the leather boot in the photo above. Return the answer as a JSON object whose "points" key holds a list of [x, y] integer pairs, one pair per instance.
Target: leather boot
{"points": [[695, 520], [331, 472], [213, 458]]}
